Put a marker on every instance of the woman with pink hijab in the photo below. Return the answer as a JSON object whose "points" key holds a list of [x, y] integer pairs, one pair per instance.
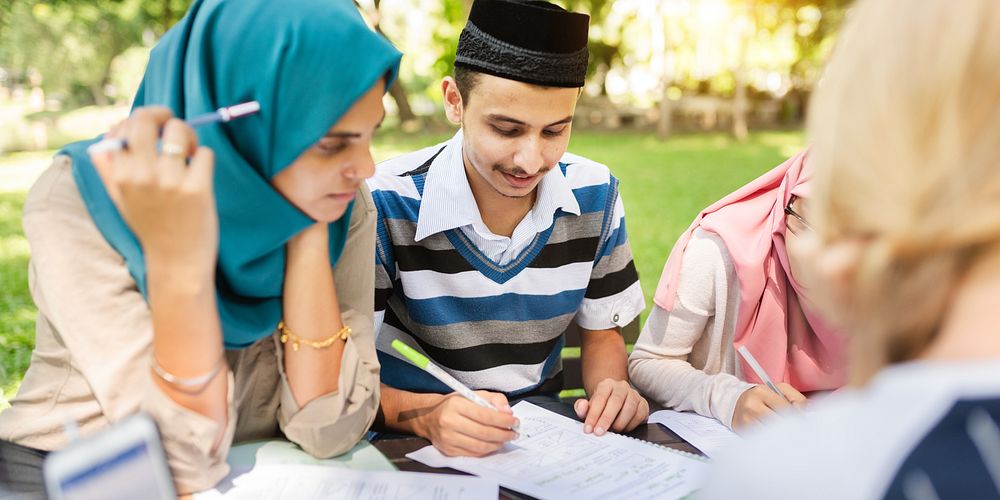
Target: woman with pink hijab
{"points": [[730, 281]]}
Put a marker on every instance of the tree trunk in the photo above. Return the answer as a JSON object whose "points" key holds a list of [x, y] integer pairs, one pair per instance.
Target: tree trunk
{"points": [[397, 91], [398, 94], [100, 98], [97, 92], [167, 15], [741, 105], [665, 122], [740, 108]]}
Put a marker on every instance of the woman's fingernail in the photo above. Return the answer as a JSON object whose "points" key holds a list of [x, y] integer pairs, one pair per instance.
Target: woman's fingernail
{"points": [[587, 429], [599, 431]]}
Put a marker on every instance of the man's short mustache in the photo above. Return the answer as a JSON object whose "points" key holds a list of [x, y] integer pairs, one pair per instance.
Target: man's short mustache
{"points": [[517, 170]]}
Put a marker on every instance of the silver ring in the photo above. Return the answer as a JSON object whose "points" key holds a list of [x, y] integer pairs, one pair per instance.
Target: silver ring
{"points": [[172, 149]]}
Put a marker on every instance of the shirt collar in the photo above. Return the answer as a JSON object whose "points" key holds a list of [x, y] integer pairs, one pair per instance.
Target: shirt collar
{"points": [[447, 201]]}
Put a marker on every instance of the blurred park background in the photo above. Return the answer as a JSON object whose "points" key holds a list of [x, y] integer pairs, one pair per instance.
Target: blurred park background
{"points": [[686, 100]]}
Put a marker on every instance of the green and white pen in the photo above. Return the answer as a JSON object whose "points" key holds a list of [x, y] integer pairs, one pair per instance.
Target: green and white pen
{"points": [[422, 362]]}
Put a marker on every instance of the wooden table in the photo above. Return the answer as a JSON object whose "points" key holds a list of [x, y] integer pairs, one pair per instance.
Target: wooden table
{"points": [[396, 450]]}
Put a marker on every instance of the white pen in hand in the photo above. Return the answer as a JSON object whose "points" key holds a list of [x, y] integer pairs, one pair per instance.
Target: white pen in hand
{"points": [[220, 115], [759, 370]]}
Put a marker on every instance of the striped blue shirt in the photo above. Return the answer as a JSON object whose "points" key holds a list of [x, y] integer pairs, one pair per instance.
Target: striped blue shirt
{"points": [[492, 311]]}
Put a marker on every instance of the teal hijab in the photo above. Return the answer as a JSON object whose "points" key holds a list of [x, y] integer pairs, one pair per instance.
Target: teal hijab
{"points": [[306, 62]]}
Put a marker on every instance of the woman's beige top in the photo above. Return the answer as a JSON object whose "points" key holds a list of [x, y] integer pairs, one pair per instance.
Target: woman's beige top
{"points": [[93, 349], [684, 358]]}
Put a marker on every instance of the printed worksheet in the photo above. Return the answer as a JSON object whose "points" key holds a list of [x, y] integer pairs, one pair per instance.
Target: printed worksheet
{"points": [[553, 458], [707, 434], [318, 481]]}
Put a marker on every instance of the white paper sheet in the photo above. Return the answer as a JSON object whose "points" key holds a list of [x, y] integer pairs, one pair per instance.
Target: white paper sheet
{"points": [[555, 459], [281, 452], [318, 481], [707, 434]]}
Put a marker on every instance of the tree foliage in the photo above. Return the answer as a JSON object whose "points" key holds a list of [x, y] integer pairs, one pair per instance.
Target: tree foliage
{"points": [[73, 44]]}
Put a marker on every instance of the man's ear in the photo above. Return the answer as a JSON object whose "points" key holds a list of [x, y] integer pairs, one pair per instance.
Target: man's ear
{"points": [[453, 105]]}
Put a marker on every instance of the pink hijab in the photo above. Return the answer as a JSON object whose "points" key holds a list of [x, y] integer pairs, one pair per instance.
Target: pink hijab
{"points": [[792, 344]]}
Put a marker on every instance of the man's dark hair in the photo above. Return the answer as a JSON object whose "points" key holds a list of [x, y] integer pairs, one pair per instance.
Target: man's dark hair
{"points": [[465, 79]]}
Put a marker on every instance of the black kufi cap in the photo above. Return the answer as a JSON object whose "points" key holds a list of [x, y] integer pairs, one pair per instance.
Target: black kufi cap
{"points": [[529, 41]]}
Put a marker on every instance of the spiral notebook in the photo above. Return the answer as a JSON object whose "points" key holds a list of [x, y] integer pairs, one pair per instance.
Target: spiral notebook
{"points": [[553, 458]]}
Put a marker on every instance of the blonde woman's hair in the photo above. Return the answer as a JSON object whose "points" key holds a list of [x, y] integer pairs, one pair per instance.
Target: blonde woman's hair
{"points": [[905, 126]]}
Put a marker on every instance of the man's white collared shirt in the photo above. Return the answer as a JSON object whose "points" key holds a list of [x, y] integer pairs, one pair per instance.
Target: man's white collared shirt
{"points": [[448, 203]]}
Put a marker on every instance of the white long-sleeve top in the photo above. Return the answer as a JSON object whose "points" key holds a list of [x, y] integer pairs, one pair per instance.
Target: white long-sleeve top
{"points": [[684, 358]]}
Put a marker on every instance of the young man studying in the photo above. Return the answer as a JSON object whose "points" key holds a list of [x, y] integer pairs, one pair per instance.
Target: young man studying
{"points": [[492, 243]]}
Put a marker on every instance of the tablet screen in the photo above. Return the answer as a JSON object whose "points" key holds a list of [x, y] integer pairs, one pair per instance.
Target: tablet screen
{"points": [[129, 474]]}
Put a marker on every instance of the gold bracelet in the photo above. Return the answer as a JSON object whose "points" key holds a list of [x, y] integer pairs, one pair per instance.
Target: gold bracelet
{"points": [[287, 335]]}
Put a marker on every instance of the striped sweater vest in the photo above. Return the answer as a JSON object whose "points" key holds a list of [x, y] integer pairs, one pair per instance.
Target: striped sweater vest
{"points": [[493, 327]]}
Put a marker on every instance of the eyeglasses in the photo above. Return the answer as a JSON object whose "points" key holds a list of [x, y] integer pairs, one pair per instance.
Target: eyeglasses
{"points": [[795, 215]]}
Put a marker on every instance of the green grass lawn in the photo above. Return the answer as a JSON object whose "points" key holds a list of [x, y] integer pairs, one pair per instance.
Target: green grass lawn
{"points": [[664, 184], [17, 312]]}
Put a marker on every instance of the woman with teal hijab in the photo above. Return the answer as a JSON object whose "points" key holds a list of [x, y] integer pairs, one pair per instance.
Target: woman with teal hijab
{"points": [[221, 280]]}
